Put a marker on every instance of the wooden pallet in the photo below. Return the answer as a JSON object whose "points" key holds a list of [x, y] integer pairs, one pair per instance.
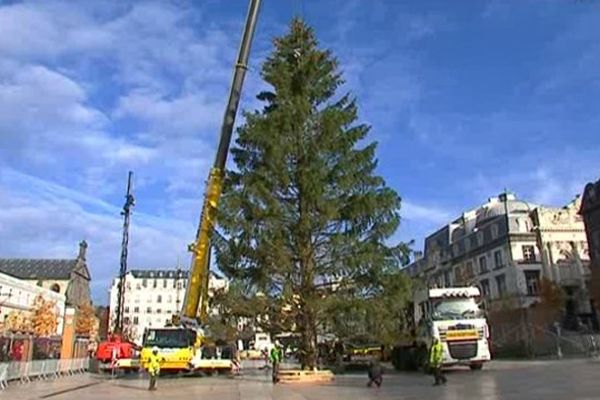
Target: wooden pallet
{"points": [[304, 376]]}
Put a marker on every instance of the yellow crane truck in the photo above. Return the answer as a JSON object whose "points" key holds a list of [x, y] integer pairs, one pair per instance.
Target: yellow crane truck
{"points": [[183, 346]]}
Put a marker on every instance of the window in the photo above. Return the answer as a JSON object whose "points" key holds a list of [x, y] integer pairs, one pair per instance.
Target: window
{"points": [[458, 279], [136, 300], [498, 260], [467, 244], [483, 268], [528, 253], [501, 284], [136, 309], [174, 283], [155, 283], [135, 320], [126, 320], [145, 283], [55, 288], [480, 238], [170, 299], [167, 322], [532, 280], [485, 287], [159, 299], [469, 269], [149, 309], [126, 309], [179, 285], [523, 225], [158, 310], [137, 286], [494, 231], [447, 280], [164, 283]]}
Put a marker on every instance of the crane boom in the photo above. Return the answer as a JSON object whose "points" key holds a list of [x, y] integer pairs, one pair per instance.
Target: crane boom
{"points": [[197, 289], [126, 213]]}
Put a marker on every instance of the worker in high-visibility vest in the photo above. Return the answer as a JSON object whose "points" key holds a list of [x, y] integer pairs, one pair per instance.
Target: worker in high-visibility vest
{"points": [[436, 356], [153, 368], [276, 357]]}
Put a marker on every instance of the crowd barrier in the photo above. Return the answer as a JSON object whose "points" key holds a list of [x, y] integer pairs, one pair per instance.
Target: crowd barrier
{"points": [[26, 371]]}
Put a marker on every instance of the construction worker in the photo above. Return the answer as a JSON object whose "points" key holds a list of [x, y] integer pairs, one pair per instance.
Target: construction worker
{"points": [[276, 358], [153, 368], [436, 355], [375, 373]]}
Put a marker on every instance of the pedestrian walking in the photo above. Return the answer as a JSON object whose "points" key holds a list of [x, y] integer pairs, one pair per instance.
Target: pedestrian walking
{"points": [[276, 358], [153, 368], [436, 355], [375, 373], [236, 362]]}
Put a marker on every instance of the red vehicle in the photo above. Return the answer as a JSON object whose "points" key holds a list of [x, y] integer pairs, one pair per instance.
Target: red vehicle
{"points": [[113, 349]]}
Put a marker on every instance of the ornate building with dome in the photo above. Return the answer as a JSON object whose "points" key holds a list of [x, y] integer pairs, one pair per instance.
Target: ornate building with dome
{"points": [[590, 211], [506, 247]]}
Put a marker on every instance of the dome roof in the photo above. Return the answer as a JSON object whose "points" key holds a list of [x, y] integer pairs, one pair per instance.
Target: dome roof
{"points": [[497, 206]]}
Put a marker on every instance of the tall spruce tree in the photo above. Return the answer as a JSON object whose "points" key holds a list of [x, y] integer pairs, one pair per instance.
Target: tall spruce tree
{"points": [[303, 215]]}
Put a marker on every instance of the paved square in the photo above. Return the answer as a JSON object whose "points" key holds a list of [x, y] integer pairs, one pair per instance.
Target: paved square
{"points": [[571, 380]]}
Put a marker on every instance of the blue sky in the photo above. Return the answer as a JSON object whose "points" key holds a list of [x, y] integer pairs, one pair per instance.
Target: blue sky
{"points": [[465, 98]]}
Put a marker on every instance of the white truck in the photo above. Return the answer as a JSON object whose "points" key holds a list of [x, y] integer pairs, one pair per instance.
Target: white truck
{"points": [[455, 316]]}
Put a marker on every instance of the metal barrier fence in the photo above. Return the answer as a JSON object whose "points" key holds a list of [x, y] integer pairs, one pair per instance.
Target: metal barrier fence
{"points": [[26, 371]]}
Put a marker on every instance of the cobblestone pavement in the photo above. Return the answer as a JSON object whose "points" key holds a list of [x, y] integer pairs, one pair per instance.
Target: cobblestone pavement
{"points": [[548, 380]]}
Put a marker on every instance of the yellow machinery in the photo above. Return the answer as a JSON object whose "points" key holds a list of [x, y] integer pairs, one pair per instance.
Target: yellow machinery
{"points": [[182, 346]]}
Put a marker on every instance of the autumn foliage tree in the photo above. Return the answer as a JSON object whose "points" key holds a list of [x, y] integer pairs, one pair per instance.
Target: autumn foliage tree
{"points": [[18, 321], [44, 320], [85, 321]]}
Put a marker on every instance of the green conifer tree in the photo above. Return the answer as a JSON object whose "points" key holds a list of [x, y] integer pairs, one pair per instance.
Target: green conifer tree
{"points": [[304, 216]]}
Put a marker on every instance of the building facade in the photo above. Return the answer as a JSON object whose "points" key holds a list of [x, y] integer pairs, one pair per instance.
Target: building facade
{"points": [[17, 296], [69, 277], [506, 247], [152, 297], [590, 211]]}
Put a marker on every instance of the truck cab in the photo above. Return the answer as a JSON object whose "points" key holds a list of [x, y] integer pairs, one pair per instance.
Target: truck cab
{"points": [[456, 317]]}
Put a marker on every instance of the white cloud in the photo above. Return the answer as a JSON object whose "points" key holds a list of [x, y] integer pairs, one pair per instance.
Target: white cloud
{"points": [[551, 178], [42, 219], [88, 92], [48, 29], [35, 99], [189, 114], [424, 213]]}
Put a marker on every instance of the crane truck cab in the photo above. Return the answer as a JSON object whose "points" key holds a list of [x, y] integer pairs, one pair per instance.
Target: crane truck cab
{"points": [[184, 349], [456, 317]]}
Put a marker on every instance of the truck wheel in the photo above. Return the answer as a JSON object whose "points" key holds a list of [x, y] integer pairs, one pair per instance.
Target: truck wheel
{"points": [[476, 367], [422, 361]]}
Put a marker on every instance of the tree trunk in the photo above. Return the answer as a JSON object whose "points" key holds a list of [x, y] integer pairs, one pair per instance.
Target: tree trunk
{"points": [[308, 347]]}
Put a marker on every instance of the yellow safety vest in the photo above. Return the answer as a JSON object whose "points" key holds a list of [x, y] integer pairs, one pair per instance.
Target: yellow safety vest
{"points": [[436, 355], [153, 364]]}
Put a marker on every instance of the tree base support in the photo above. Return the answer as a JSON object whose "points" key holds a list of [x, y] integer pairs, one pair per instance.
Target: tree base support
{"points": [[305, 376]]}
